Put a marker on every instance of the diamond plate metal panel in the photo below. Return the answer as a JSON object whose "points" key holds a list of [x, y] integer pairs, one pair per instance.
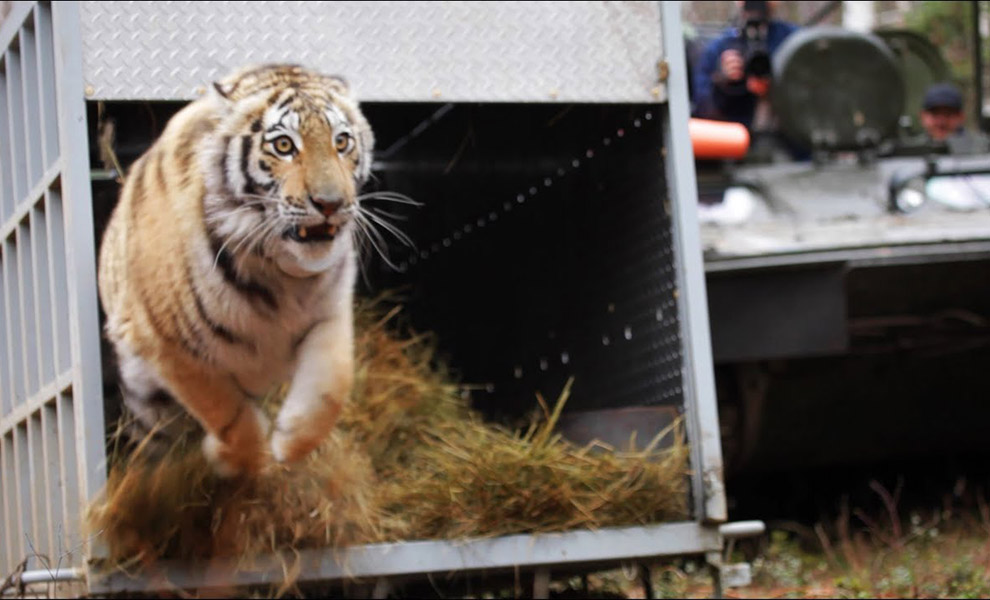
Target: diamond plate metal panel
{"points": [[391, 51]]}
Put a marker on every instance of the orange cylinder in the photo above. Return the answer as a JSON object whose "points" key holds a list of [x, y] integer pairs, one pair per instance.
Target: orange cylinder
{"points": [[718, 139]]}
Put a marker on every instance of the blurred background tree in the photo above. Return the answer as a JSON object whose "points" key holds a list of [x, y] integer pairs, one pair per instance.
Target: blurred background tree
{"points": [[949, 25]]}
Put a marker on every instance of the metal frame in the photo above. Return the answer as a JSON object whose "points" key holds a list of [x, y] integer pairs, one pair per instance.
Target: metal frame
{"points": [[52, 459], [699, 371], [67, 411], [375, 561]]}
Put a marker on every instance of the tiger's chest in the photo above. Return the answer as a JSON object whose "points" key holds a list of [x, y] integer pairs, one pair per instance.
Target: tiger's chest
{"points": [[271, 338]]}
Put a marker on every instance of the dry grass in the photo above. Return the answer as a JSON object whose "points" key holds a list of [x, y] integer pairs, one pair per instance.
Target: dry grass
{"points": [[409, 460]]}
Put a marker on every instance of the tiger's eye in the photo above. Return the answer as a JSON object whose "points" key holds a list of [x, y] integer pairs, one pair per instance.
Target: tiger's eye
{"points": [[342, 141], [283, 145]]}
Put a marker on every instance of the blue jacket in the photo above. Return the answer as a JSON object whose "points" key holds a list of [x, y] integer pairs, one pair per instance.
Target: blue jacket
{"points": [[715, 102]]}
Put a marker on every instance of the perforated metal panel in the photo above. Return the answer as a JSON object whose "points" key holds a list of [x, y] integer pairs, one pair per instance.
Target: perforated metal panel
{"points": [[393, 51], [52, 443], [545, 252]]}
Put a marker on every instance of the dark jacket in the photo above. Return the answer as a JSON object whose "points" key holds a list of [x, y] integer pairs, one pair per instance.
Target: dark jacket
{"points": [[723, 102]]}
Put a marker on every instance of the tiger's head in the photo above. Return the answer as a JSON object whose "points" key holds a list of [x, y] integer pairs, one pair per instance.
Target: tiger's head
{"points": [[289, 153]]}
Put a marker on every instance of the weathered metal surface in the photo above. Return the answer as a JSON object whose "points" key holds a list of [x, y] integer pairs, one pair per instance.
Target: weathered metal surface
{"points": [[51, 407], [800, 208], [392, 51], [618, 427], [410, 558], [778, 313], [699, 379]]}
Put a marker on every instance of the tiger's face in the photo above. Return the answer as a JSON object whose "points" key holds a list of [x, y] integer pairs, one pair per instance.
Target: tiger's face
{"points": [[293, 152]]}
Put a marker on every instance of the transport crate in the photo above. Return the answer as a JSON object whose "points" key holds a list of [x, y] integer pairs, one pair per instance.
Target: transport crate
{"points": [[558, 238]]}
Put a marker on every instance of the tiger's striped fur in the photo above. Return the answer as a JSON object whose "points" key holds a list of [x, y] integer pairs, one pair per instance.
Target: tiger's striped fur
{"points": [[228, 265]]}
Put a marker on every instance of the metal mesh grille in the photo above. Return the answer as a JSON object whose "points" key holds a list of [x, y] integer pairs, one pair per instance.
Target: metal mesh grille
{"points": [[544, 250], [39, 453]]}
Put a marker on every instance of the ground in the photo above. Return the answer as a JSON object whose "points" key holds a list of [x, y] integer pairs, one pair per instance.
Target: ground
{"points": [[939, 553]]}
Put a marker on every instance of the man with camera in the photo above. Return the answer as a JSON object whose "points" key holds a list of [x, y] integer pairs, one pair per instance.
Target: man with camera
{"points": [[732, 79]]}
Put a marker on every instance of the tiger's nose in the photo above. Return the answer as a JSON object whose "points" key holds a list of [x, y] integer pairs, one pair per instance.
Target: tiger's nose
{"points": [[327, 206]]}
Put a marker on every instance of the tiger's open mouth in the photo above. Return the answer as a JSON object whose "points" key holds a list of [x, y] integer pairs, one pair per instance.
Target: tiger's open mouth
{"points": [[323, 232]]}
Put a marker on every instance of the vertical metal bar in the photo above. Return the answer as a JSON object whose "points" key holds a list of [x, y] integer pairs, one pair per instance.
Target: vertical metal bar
{"points": [[6, 383], [69, 474], [42, 293], [7, 197], [46, 82], [15, 122], [25, 524], [87, 386], [53, 486], [39, 499], [28, 331], [59, 279], [6, 493], [14, 350], [29, 89], [699, 371]]}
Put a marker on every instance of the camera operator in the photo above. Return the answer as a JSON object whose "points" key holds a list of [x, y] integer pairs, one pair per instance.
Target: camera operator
{"points": [[732, 79]]}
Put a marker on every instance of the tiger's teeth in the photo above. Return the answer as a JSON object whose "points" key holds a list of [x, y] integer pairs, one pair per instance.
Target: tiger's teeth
{"points": [[302, 232]]}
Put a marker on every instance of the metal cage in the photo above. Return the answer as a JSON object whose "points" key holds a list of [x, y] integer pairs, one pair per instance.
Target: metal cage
{"points": [[51, 411], [431, 64]]}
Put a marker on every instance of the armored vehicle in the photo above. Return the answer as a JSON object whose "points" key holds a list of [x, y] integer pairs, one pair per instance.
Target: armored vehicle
{"points": [[849, 292]]}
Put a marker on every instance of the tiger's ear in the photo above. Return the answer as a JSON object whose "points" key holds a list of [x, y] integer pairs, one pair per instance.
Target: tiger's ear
{"points": [[339, 84], [224, 89]]}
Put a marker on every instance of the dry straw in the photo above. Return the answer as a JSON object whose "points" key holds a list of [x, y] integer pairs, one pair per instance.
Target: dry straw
{"points": [[409, 460]]}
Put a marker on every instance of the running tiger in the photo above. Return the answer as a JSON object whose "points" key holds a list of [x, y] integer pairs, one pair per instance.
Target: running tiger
{"points": [[229, 264]]}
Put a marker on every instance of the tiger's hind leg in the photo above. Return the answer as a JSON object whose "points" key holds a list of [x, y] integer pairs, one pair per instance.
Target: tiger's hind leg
{"points": [[152, 419]]}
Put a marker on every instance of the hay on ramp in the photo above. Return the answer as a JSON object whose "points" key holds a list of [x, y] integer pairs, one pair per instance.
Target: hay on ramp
{"points": [[409, 460]]}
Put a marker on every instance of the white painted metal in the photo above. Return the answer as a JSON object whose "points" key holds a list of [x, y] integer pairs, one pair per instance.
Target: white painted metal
{"points": [[547, 51], [51, 409], [699, 370], [595, 548], [741, 529]]}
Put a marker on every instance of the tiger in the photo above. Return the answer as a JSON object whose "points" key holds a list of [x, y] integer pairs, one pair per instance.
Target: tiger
{"points": [[228, 266]]}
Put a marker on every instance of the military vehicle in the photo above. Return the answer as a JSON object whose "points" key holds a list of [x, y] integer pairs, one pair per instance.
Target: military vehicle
{"points": [[849, 293]]}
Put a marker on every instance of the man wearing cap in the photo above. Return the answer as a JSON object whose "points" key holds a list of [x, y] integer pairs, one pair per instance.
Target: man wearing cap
{"points": [[942, 112], [943, 119]]}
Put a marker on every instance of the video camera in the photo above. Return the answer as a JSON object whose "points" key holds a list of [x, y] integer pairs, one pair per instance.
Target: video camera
{"points": [[753, 38]]}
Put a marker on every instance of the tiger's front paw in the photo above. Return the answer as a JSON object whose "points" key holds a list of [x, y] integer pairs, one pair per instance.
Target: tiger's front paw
{"points": [[290, 446], [297, 434], [241, 451]]}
